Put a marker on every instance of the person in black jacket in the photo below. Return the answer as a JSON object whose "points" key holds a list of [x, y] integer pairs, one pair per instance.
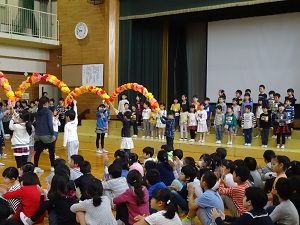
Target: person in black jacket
{"points": [[254, 201]]}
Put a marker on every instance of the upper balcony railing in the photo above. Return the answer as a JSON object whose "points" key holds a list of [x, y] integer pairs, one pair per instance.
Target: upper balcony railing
{"points": [[21, 21]]}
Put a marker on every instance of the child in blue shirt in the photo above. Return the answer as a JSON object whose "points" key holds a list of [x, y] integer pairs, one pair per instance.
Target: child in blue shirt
{"points": [[101, 128], [290, 111], [170, 126], [164, 168], [206, 202], [209, 109], [153, 181]]}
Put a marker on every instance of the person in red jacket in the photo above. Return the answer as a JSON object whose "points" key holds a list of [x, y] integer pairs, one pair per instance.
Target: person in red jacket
{"points": [[29, 193]]}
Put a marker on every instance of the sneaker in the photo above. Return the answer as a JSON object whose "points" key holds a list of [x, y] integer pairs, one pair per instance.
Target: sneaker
{"points": [[263, 146], [274, 136], [266, 146], [159, 137], [99, 151], [163, 138], [181, 139], [257, 136], [148, 137], [217, 142], [143, 137], [289, 137], [278, 146], [56, 156], [246, 144], [188, 220], [208, 133], [104, 151], [2, 164], [185, 139], [25, 219], [282, 147], [151, 137], [38, 170], [230, 143], [200, 141], [52, 169], [106, 135], [192, 140], [134, 136], [3, 155], [156, 137], [249, 144]]}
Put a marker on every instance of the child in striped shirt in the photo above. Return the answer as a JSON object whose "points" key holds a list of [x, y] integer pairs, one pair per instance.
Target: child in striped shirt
{"points": [[233, 196], [248, 123]]}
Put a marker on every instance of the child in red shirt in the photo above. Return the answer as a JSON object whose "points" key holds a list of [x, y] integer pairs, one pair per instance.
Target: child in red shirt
{"points": [[30, 195]]}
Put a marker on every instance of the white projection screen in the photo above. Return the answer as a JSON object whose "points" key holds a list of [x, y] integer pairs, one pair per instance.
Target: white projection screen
{"points": [[244, 53]]}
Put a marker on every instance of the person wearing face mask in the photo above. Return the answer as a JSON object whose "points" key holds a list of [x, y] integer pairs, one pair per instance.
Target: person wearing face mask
{"points": [[205, 164]]}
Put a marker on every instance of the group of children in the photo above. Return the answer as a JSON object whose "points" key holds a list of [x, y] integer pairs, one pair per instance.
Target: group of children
{"points": [[151, 192], [269, 114], [26, 131]]}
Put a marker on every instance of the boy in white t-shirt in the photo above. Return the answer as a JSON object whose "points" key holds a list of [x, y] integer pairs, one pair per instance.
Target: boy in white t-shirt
{"points": [[70, 135]]}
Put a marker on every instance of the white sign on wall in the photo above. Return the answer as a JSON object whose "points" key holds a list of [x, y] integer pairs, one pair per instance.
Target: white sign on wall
{"points": [[92, 74]]}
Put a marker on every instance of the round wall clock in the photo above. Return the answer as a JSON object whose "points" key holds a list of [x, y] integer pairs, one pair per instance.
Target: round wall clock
{"points": [[81, 30]]}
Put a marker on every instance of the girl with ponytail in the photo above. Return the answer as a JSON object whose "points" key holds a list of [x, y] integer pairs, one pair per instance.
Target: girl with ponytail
{"points": [[97, 209], [21, 125], [164, 168], [162, 201], [136, 197]]}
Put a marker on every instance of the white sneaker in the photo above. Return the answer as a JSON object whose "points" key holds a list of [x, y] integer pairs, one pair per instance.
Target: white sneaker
{"points": [[263, 146], [104, 151], [151, 137], [159, 137], [246, 144], [249, 144], [143, 137], [106, 135], [163, 138], [134, 136], [192, 140], [181, 139], [282, 147], [2, 164], [148, 137], [52, 169], [56, 156], [274, 136], [289, 137], [99, 151], [156, 137], [217, 142], [208, 133], [230, 143], [278, 146], [38, 170], [3, 155], [25, 220], [266, 146], [185, 139], [200, 141], [257, 136]]}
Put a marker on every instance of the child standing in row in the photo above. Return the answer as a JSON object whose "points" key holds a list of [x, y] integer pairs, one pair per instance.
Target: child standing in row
{"points": [[134, 120], [56, 124], [222, 104], [153, 119], [237, 112], [281, 127], [209, 110], [183, 123], [146, 118], [192, 121], [202, 127], [229, 124], [264, 125], [219, 120], [290, 112], [248, 123], [259, 111], [161, 127], [245, 103], [274, 109], [176, 108], [140, 108]]}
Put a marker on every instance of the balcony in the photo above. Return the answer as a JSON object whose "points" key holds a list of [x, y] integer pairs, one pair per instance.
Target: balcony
{"points": [[21, 26]]}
